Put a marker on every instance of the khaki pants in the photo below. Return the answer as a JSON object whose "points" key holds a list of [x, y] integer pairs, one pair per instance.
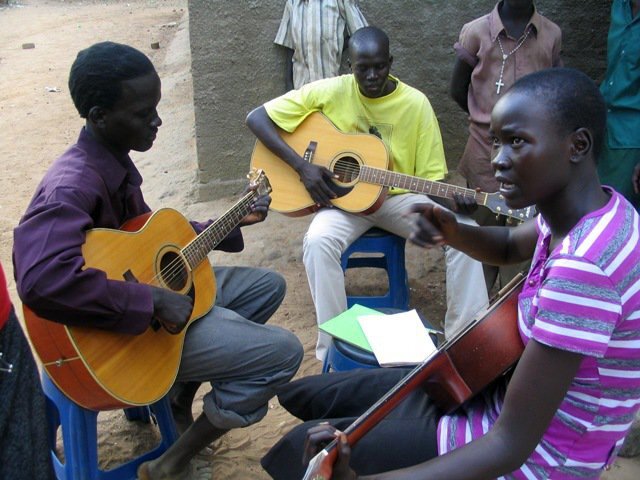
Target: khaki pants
{"points": [[333, 230]]}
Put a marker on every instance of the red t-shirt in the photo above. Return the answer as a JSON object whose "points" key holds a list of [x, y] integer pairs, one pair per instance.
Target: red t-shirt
{"points": [[5, 301]]}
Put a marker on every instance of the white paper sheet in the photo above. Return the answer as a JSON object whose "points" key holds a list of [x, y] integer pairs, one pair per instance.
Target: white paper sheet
{"points": [[398, 339]]}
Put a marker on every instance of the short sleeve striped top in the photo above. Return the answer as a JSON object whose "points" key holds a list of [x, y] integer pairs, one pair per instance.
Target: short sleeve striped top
{"points": [[583, 297]]}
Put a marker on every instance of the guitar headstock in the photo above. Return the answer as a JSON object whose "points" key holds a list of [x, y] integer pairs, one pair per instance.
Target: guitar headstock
{"points": [[258, 181], [319, 468], [496, 203]]}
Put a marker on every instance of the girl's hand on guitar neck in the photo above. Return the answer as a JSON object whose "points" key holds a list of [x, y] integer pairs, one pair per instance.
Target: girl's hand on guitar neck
{"points": [[319, 437], [171, 309], [317, 181]]}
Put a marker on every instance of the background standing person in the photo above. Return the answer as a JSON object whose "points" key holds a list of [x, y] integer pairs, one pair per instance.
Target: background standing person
{"points": [[492, 52], [370, 100], [25, 453], [314, 34], [621, 90]]}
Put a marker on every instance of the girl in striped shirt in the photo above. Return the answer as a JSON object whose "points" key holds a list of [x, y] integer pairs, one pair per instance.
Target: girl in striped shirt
{"points": [[575, 391]]}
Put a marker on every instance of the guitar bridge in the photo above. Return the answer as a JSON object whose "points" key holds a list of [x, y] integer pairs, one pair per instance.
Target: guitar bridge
{"points": [[310, 152]]}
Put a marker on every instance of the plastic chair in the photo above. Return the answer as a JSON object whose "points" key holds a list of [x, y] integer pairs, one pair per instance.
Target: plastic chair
{"points": [[388, 250], [343, 356], [390, 256], [138, 414], [79, 436]]}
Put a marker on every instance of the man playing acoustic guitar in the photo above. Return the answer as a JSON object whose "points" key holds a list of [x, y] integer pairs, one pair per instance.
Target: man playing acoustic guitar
{"points": [[369, 100], [95, 184]]}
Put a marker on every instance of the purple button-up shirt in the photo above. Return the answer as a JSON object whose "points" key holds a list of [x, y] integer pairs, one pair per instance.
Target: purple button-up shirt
{"points": [[87, 187]]}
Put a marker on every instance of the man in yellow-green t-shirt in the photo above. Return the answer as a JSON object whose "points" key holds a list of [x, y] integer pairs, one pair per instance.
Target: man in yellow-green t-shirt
{"points": [[369, 100]]}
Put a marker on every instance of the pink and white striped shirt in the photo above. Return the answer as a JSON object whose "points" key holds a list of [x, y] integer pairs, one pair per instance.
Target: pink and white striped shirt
{"points": [[583, 297]]}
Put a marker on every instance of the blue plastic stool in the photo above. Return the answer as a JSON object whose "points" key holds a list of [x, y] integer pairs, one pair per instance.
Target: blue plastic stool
{"points": [[79, 436], [390, 256], [343, 356], [138, 414], [390, 250]]}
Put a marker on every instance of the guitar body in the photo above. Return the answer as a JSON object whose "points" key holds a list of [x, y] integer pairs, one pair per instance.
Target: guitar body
{"points": [[290, 197], [360, 163], [478, 356], [100, 369]]}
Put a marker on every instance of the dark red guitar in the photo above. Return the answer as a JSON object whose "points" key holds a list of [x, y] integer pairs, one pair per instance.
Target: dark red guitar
{"points": [[459, 369]]}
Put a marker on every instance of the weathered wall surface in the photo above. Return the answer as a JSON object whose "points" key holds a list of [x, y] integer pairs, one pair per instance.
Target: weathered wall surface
{"points": [[236, 66]]}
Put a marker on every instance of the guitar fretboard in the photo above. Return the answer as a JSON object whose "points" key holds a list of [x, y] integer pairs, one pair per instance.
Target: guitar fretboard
{"points": [[197, 250], [419, 185]]}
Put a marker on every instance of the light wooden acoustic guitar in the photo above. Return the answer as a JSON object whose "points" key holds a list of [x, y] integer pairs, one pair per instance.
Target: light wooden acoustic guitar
{"points": [[101, 370], [361, 163]]}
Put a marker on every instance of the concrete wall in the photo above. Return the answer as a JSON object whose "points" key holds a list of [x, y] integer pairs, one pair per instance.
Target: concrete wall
{"points": [[236, 66]]}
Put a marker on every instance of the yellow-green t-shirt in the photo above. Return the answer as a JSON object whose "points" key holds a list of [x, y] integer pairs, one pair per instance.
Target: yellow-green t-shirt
{"points": [[404, 120]]}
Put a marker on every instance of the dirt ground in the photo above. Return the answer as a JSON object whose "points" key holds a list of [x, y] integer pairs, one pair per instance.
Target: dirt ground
{"points": [[38, 121]]}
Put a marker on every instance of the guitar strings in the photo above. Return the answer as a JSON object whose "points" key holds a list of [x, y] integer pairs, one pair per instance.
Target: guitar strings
{"points": [[349, 171], [175, 268]]}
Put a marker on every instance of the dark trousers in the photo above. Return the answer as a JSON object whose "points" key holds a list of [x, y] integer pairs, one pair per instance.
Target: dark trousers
{"points": [[405, 437], [23, 426]]}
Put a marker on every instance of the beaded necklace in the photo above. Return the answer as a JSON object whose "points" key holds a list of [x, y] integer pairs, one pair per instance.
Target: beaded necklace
{"points": [[500, 83]]}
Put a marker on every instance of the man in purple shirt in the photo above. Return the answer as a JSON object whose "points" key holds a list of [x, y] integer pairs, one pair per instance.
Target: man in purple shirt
{"points": [[94, 184]]}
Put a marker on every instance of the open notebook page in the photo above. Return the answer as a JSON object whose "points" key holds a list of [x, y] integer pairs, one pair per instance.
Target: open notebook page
{"points": [[398, 339]]}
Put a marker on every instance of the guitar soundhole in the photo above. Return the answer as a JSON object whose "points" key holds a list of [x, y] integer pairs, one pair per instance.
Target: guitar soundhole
{"points": [[174, 272], [347, 169]]}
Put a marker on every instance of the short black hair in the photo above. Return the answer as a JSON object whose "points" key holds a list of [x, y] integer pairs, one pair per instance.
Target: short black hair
{"points": [[369, 34], [572, 99], [98, 72]]}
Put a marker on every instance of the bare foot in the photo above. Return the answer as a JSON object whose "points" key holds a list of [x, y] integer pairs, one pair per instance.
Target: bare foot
{"points": [[150, 471], [197, 470], [203, 468]]}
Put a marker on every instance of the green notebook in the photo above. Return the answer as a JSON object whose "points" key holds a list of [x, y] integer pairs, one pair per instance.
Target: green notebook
{"points": [[346, 327]]}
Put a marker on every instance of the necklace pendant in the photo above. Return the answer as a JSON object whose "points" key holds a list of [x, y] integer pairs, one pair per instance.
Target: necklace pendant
{"points": [[504, 56]]}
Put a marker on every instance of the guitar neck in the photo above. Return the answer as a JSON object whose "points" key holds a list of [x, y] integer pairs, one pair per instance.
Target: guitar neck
{"points": [[198, 249], [390, 400], [387, 178], [321, 465]]}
